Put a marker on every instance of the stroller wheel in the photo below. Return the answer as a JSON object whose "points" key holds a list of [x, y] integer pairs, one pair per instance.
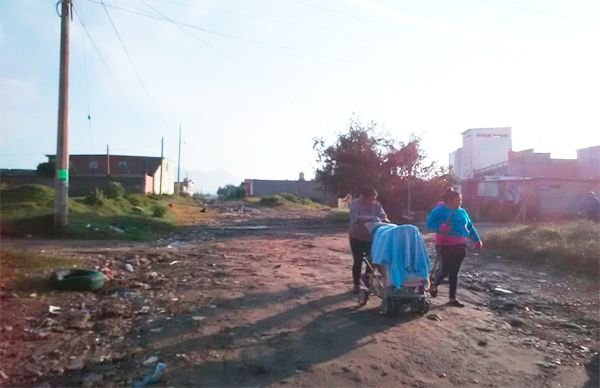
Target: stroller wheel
{"points": [[420, 307], [362, 296], [390, 307]]}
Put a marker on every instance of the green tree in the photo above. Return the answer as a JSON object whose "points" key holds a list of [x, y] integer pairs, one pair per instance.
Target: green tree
{"points": [[365, 156], [46, 169], [230, 192]]}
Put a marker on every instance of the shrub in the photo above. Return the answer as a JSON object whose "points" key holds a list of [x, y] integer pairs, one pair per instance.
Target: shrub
{"points": [[114, 190], [159, 211], [95, 198], [271, 200]]}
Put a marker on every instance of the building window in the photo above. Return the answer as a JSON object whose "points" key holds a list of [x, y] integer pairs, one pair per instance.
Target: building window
{"points": [[93, 165], [122, 165]]}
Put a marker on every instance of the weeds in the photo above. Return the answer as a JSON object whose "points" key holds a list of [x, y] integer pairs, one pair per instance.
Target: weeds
{"points": [[27, 209], [573, 244]]}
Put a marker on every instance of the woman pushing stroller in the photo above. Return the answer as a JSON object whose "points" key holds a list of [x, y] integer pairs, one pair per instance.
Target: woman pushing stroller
{"points": [[453, 229]]}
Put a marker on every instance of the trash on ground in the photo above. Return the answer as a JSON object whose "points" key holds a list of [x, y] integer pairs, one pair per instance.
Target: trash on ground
{"points": [[153, 376]]}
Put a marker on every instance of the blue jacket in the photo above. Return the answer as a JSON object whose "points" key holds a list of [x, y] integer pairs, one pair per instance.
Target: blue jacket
{"points": [[402, 250], [452, 227]]}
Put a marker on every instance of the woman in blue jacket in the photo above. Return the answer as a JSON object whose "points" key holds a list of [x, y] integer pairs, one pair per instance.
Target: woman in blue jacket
{"points": [[453, 229]]}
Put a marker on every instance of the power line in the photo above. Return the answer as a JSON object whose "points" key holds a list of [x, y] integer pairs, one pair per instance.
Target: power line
{"points": [[228, 57], [269, 45], [139, 76], [343, 14], [109, 71], [87, 94]]}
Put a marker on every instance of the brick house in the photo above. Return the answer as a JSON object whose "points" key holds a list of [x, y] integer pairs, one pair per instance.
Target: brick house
{"points": [[533, 186], [139, 174]]}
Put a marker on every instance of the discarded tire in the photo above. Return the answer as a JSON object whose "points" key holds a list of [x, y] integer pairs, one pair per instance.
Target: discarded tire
{"points": [[76, 280]]}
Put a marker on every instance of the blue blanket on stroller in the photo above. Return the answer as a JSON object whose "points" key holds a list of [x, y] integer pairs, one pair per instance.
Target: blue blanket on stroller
{"points": [[402, 250]]}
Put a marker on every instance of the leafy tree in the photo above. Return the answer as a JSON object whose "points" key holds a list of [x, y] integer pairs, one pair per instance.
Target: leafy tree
{"points": [[46, 169], [230, 192], [365, 156]]}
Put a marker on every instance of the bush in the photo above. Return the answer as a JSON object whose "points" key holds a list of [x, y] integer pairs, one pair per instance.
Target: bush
{"points": [[296, 198], [114, 190], [95, 198], [159, 211], [271, 200]]}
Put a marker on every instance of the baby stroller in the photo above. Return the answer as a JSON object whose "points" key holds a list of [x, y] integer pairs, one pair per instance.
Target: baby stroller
{"points": [[399, 274]]}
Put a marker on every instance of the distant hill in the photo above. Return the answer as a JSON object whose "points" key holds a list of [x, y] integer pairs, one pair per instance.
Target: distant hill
{"points": [[208, 182]]}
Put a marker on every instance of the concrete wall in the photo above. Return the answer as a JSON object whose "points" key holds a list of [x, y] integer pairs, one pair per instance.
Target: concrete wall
{"points": [[542, 198], [481, 148], [588, 160], [168, 178], [310, 189]]}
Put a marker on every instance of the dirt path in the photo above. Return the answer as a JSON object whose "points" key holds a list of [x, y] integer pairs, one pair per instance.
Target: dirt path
{"points": [[262, 298]]}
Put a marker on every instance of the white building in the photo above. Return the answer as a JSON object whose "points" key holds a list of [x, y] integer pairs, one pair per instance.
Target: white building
{"points": [[482, 148]]}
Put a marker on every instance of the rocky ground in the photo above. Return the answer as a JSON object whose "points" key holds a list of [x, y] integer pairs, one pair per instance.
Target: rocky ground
{"points": [[258, 296]]}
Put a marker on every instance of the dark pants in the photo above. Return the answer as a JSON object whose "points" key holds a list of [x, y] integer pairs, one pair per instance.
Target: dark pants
{"points": [[360, 249], [452, 257]]}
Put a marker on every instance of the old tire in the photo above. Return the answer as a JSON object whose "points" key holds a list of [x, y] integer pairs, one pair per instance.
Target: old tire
{"points": [[76, 280]]}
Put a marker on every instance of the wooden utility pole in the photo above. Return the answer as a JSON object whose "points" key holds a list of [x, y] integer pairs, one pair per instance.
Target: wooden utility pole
{"points": [[61, 200], [162, 143], [107, 161], [179, 159]]}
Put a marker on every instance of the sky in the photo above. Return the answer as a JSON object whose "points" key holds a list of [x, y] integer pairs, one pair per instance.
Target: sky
{"points": [[252, 83]]}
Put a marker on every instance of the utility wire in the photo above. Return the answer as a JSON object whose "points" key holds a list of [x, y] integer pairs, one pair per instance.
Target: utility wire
{"points": [[109, 71], [139, 76], [343, 14], [252, 41], [87, 94], [217, 50]]}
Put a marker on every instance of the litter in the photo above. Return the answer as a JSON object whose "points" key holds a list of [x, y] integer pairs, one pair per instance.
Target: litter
{"points": [[150, 361], [153, 376], [54, 309]]}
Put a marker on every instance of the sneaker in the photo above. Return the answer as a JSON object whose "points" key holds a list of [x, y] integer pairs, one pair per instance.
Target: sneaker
{"points": [[433, 290], [355, 289], [455, 303]]}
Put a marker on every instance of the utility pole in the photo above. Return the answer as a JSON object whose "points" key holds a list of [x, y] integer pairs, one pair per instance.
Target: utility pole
{"points": [[179, 159], [61, 200], [162, 143], [409, 199], [107, 161]]}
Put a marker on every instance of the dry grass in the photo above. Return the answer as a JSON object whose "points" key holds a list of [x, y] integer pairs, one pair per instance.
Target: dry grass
{"points": [[574, 245], [189, 212]]}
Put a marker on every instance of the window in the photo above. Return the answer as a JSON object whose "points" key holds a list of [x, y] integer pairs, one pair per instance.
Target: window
{"points": [[93, 165], [122, 165]]}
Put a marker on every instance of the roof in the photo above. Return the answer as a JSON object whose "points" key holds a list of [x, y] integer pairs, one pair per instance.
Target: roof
{"points": [[487, 129]]}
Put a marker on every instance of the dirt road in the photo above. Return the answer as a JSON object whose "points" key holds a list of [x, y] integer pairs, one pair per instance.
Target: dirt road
{"points": [[262, 298]]}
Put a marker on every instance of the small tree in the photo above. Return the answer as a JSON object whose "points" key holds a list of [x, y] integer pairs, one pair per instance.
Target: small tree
{"points": [[230, 192], [46, 169]]}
